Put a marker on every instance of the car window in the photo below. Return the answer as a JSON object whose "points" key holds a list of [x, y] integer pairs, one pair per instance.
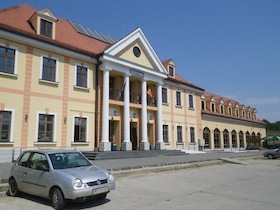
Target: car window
{"points": [[24, 159], [39, 161], [68, 160]]}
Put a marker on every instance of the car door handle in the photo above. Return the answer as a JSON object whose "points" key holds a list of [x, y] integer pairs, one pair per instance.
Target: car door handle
{"points": [[24, 174]]}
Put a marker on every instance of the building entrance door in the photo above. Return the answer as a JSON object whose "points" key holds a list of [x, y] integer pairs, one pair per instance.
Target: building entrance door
{"points": [[133, 135]]}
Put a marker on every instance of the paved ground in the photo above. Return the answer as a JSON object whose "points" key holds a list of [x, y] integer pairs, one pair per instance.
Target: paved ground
{"points": [[252, 184], [122, 167]]}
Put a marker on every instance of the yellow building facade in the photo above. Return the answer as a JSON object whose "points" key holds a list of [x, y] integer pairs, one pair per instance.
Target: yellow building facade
{"points": [[62, 86]]}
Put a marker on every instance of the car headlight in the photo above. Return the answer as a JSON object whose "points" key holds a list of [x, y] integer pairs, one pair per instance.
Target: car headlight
{"points": [[111, 178], [77, 183]]}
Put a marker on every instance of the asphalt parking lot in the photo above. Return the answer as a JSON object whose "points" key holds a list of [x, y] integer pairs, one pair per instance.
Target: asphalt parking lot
{"points": [[252, 183]]}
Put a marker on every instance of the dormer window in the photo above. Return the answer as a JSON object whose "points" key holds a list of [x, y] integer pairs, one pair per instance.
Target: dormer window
{"points": [[222, 109], [203, 105], [46, 28], [236, 112], [212, 107], [44, 23], [171, 71], [229, 111]]}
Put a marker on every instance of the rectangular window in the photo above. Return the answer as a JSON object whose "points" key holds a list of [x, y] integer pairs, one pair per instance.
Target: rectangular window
{"points": [[191, 101], [192, 134], [165, 133], [5, 126], [46, 28], [171, 71], [178, 98], [222, 109], [81, 76], [229, 111], [45, 128], [203, 105], [179, 134], [164, 95], [80, 129], [7, 60], [49, 69], [213, 107]]}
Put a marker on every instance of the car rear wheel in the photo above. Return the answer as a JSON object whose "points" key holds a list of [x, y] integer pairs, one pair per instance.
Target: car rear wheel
{"points": [[57, 199], [13, 188], [270, 156]]}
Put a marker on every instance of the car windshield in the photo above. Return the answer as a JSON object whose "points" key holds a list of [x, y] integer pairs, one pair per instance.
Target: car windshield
{"points": [[68, 160]]}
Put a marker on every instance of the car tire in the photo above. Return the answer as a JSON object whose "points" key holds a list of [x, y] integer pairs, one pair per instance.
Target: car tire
{"points": [[270, 156], [57, 198], [13, 188]]}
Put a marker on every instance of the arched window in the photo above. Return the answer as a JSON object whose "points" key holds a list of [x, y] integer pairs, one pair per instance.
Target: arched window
{"points": [[248, 138], [217, 138], [233, 139], [241, 139], [207, 137], [226, 138]]}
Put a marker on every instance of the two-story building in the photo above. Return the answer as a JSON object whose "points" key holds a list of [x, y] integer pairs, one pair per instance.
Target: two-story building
{"points": [[63, 85]]}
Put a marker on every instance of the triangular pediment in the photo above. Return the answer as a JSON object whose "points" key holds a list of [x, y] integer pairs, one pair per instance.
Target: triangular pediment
{"points": [[47, 13], [135, 49]]}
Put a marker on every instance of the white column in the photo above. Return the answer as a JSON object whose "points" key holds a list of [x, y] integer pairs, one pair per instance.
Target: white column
{"points": [[144, 145], [160, 144], [126, 144], [105, 145]]}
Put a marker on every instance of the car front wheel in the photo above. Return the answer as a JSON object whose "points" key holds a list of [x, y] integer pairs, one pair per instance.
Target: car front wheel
{"points": [[57, 199], [13, 188], [270, 156]]}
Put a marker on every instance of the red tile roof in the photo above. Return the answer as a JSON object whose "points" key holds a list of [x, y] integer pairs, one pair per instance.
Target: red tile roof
{"points": [[226, 101], [17, 19]]}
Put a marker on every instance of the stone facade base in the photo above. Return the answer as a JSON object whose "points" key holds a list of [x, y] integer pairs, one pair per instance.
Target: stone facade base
{"points": [[144, 146], [104, 146], [126, 146], [160, 146]]}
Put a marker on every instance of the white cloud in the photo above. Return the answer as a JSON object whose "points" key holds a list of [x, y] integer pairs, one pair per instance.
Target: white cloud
{"points": [[263, 101]]}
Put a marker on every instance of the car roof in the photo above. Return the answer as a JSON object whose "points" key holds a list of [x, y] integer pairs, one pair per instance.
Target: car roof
{"points": [[50, 151]]}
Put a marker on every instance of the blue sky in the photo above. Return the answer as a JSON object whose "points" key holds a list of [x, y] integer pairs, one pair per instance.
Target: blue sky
{"points": [[229, 47]]}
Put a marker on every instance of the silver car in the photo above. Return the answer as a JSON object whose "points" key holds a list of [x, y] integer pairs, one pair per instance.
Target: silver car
{"points": [[59, 175], [272, 154]]}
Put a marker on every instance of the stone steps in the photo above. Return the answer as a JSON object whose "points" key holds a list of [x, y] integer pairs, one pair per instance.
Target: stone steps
{"points": [[130, 154]]}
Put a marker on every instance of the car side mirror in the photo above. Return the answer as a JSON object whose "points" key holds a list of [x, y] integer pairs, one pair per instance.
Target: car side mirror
{"points": [[42, 168]]}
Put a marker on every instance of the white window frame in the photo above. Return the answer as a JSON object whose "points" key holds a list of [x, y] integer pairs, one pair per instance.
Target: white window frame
{"points": [[11, 140], [168, 130], [193, 101], [75, 76], [16, 58], [189, 134], [54, 127], [167, 98], [177, 105], [56, 68], [73, 129], [176, 126]]}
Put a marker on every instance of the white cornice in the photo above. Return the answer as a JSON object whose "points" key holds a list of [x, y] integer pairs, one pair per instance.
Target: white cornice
{"points": [[127, 65]]}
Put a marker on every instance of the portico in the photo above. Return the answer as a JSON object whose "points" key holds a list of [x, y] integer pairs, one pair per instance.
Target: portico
{"points": [[132, 78]]}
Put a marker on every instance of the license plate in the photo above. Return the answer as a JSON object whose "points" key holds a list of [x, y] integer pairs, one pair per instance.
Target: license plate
{"points": [[100, 190]]}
